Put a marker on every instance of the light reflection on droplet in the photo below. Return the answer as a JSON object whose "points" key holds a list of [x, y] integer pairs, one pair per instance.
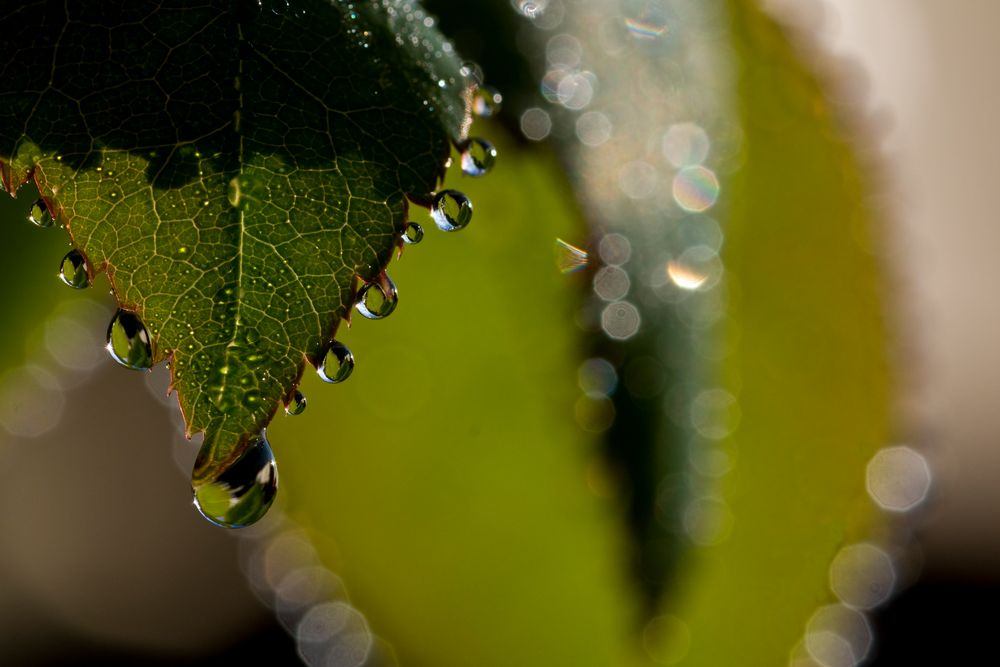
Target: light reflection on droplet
{"points": [[898, 478], [715, 413], [620, 320], [696, 189], [862, 576], [593, 128], [569, 258], [536, 123], [611, 283], [837, 636], [685, 145], [614, 249], [597, 377], [637, 179]]}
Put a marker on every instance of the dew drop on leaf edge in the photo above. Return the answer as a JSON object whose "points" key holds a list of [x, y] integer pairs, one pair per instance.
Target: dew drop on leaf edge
{"points": [[337, 364], [451, 210], [242, 492], [413, 233], [40, 216], [297, 405], [486, 102], [74, 270], [377, 299], [478, 157], [128, 341]]}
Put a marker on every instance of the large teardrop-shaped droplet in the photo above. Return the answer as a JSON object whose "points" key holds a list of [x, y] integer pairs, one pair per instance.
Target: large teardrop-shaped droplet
{"points": [[378, 299], [74, 270], [413, 233], [451, 210], [39, 214], [243, 491], [297, 405], [478, 157], [486, 102], [337, 365], [128, 341]]}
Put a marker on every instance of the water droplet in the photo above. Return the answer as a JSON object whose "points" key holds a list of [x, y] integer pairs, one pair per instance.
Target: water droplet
{"points": [[478, 157], [74, 270], [486, 103], [413, 233], [128, 341], [243, 491], [297, 405], [378, 299], [451, 210], [40, 216], [337, 365]]}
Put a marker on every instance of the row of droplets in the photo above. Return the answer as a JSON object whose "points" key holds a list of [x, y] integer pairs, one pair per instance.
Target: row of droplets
{"points": [[128, 341]]}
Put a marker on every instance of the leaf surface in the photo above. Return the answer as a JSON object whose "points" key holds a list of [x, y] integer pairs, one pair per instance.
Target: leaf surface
{"points": [[234, 167]]}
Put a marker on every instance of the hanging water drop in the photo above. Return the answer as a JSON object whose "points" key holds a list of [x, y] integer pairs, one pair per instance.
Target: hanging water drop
{"points": [[297, 405], [243, 491], [486, 102], [128, 341], [478, 157], [337, 365], [378, 299], [451, 210], [413, 233], [74, 270], [40, 216]]}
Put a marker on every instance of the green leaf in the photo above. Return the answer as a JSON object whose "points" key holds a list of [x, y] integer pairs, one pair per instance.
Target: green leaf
{"points": [[234, 167]]}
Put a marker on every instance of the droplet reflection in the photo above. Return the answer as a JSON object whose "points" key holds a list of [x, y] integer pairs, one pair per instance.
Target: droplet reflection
{"points": [[378, 299], [243, 491], [337, 364], [40, 216], [413, 233], [74, 271], [486, 102], [297, 405], [478, 157], [128, 342], [451, 210]]}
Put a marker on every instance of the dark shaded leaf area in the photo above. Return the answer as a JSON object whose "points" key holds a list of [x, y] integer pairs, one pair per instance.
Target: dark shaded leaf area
{"points": [[235, 167]]}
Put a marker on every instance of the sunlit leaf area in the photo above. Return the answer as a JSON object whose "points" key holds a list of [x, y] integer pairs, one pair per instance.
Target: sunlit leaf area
{"points": [[597, 333]]}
